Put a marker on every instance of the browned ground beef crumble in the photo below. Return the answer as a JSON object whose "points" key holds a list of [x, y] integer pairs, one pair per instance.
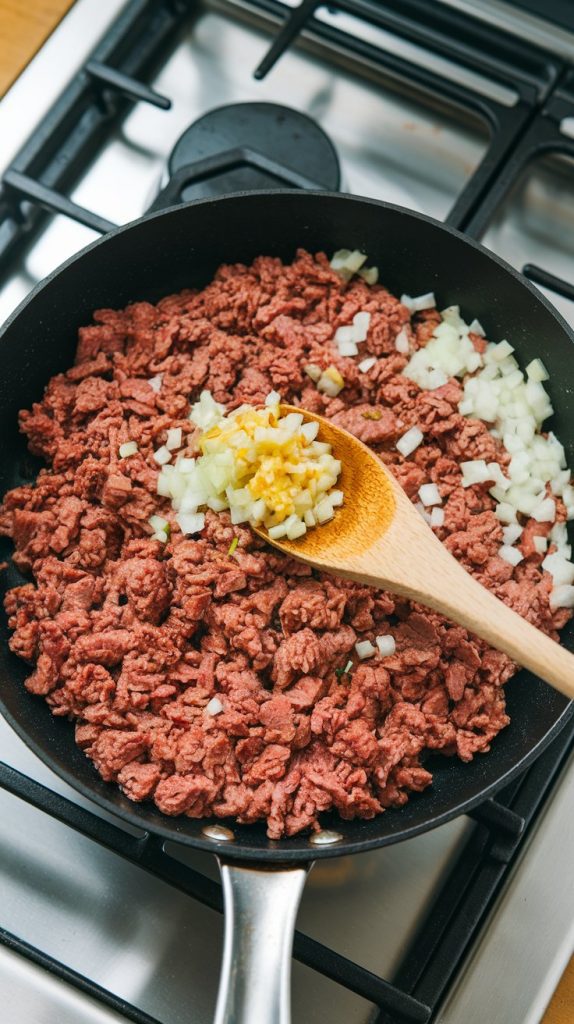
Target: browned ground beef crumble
{"points": [[131, 639]]}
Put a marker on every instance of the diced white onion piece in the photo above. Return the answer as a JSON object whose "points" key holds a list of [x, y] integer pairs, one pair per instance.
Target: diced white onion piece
{"points": [[366, 364], [562, 597], [561, 570], [511, 555], [369, 274], [501, 351], [402, 342], [345, 259], [160, 527], [277, 532], [214, 706], [162, 455], [309, 518], [343, 334], [430, 495], [511, 533], [476, 328], [420, 302], [310, 431], [190, 522], [436, 379], [437, 516], [313, 371], [540, 544], [296, 530], [545, 511], [348, 348], [323, 511], [127, 448], [330, 382], [537, 371], [273, 398], [365, 649], [475, 472], [409, 441], [386, 644], [361, 323], [155, 382], [336, 498], [505, 512], [174, 436]]}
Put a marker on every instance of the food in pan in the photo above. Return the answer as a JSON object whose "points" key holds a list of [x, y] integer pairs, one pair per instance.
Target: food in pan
{"points": [[267, 468], [206, 671]]}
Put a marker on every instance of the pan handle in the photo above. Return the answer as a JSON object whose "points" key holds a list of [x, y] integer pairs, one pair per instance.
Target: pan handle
{"points": [[261, 905]]}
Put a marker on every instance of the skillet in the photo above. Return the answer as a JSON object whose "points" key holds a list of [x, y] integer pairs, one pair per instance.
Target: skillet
{"points": [[182, 247]]}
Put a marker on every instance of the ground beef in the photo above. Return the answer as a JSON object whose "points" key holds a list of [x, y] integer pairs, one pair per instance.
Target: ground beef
{"points": [[132, 639]]}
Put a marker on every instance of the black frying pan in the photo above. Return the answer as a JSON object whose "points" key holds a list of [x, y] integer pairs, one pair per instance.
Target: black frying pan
{"points": [[182, 247]]}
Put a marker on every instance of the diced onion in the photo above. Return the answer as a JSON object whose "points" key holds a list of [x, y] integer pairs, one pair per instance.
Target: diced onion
{"points": [[417, 303], [361, 323], [190, 522], [160, 527], [476, 328], [313, 371], [155, 382], [348, 348], [127, 448], [348, 262], [402, 342], [330, 382], [537, 371], [545, 512], [369, 274], [214, 706], [162, 455], [365, 649], [386, 644], [511, 555], [409, 441], [475, 472], [540, 544], [430, 495], [561, 570], [366, 364], [273, 398], [174, 436], [511, 533], [343, 334], [562, 597], [437, 516]]}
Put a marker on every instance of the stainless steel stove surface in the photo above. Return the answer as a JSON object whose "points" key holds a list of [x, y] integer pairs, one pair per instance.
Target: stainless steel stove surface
{"points": [[132, 933]]}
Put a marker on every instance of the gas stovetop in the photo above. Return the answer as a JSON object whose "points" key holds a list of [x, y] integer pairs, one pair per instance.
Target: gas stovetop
{"points": [[425, 107]]}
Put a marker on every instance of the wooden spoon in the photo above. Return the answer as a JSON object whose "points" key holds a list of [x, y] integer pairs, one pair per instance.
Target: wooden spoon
{"points": [[378, 537]]}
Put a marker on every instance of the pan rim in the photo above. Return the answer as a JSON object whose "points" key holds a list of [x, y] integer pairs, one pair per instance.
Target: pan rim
{"points": [[279, 851], [289, 193], [282, 850]]}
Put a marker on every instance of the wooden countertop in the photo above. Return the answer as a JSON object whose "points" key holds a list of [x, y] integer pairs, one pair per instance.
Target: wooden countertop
{"points": [[23, 29], [24, 25]]}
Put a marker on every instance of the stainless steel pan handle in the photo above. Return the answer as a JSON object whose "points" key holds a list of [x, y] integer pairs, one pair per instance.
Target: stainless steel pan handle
{"points": [[260, 909]]}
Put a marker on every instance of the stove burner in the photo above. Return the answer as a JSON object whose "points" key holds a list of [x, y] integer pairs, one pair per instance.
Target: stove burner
{"points": [[247, 146]]}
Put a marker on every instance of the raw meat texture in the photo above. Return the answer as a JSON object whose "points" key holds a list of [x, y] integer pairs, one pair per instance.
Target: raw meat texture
{"points": [[132, 639]]}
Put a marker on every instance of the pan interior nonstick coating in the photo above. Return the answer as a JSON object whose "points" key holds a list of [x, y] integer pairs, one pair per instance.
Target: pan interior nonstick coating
{"points": [[181, 248]]}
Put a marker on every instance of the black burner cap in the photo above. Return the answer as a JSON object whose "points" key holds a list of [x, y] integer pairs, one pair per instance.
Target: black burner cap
{"points": [[268, 146]]}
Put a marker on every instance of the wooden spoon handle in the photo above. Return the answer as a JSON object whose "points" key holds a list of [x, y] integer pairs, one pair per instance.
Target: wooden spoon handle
{"points": [[447, 588]]}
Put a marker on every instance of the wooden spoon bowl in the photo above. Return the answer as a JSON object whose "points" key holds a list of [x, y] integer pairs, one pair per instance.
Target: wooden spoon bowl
{"points": [[379, 538]]}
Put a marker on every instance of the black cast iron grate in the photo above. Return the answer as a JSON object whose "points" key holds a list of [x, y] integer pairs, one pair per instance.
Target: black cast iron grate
{"points": [[37, 181]]}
